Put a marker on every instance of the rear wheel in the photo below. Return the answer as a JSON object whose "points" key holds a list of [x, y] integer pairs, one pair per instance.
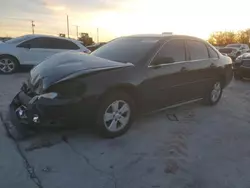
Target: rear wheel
{"points": [[214, 94], [115, 114], [8, 64]]}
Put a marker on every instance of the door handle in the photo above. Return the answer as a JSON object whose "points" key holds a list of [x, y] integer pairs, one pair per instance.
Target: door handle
{"points": [[184, 69]]}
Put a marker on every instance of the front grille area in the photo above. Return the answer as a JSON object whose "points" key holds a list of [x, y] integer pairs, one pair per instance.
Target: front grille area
{"points": [[28, 89], [246, 63]]}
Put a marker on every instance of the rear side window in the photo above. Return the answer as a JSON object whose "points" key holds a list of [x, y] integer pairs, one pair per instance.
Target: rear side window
{"points": [[212, 53], [174, 50], [63, 44], [197, 50]]}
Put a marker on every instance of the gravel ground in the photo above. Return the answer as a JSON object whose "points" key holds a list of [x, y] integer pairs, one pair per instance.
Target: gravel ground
{"points": [[191, 146]]}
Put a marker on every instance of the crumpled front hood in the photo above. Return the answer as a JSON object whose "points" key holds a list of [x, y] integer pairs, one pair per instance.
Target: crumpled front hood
{"points": [[68, 65]]}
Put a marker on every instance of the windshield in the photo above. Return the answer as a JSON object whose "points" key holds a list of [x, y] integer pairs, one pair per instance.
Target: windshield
{"points": [[126, 49], [17, 40], [234, 45]]}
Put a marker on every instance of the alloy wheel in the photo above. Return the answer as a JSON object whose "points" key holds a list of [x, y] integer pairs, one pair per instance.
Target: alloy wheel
{"points": [[117, 116], [216, 92], [7, 65]]}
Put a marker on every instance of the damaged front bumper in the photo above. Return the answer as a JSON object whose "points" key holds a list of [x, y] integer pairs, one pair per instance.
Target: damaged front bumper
{"points": [[32, 112]]}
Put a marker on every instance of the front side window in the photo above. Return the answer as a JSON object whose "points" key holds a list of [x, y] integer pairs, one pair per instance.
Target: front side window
{"points": [[172, 51], [63, 44], [212, 53], [197, 50], [40, 42]]}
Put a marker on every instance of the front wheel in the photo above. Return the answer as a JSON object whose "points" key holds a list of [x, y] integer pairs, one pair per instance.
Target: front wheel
{"points": [[115, 114], [214, 94]]}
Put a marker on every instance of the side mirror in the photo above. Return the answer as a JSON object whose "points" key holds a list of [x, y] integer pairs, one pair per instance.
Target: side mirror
{"points": [[163, 60]]}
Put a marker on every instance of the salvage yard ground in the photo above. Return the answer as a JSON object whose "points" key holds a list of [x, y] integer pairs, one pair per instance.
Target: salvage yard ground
{"points": [[193, 146]]}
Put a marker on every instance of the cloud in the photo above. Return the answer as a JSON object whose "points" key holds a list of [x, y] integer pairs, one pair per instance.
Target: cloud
{"points": [[20, 7]]}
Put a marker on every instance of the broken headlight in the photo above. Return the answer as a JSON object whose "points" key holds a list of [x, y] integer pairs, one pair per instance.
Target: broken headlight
{"points": [[50, 95]]}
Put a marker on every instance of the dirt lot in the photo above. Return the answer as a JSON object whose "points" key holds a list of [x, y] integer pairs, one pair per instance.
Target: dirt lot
{"points": [[191, 146]]}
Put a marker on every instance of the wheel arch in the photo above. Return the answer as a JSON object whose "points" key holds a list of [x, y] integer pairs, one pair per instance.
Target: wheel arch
{"points": [[129, 89], [9, 55]]}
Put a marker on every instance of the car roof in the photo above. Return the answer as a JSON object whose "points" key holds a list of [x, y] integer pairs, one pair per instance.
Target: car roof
{"points": [[50, 36], [163, 36]]}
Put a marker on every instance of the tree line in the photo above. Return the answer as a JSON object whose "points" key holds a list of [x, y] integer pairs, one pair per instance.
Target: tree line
{"points": [[223, 38]]}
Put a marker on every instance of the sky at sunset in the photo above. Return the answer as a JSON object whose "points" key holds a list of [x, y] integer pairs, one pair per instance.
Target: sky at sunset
{"points": [[123, 17]]}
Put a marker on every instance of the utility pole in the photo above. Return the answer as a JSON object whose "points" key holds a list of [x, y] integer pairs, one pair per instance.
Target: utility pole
{"points": [[97, 35], [32, 27], [68, 25]]}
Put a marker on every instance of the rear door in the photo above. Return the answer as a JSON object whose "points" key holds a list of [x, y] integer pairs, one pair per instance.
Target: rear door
{"points": [[200, 67]]}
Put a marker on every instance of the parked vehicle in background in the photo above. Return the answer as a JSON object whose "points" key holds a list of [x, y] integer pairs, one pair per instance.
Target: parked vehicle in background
{"points": [[234, 50], [127, 76], [93, 47], [218, 47], [241, 66], [3, 39], [33, 49]]}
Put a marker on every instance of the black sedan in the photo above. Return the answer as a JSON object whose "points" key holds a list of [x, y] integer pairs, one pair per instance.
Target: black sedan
{"points": [[241, 66], [128, 76]]}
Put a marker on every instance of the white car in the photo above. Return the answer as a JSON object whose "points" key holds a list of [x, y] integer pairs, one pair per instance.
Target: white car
{"points": [[33, 49]]}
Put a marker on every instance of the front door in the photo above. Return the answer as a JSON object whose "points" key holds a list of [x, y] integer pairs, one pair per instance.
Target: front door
{"points": [[166, 76]]}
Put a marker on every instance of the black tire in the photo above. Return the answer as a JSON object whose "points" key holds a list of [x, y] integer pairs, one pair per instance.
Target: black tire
{"points": [[208, 99], [9, 59], [105, 106]]}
